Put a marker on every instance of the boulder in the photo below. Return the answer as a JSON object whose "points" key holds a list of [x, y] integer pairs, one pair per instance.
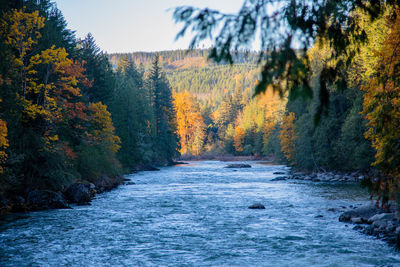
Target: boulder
{"points": [[238, 166], [278, 173], [150, 168], [380, 224], [357, 220], [106, 183], [279, 178], [257, 206], [381, 216], [397, 231], [358, 227], [44, 199], [147, 167], [364, 213], [78, 193]]}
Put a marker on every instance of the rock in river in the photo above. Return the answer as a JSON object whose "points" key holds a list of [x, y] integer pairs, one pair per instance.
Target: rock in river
{"points": [[257, 206], [363, 213], [279, 178], [79, 193], [238, 165]]}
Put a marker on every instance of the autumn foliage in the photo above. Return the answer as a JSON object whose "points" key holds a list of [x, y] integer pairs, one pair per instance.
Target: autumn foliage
{"points": [[190, 124], [51, 120], [3, 143], [102, 130], [382, 110], [287, 136]]}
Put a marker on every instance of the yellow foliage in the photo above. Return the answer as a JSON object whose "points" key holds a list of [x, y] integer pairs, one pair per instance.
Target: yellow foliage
{"points": [[382, 104], [21, 31], [43, 95], [3, 143], [47, 97], [287, 136], [261, 114], [103, 129]]}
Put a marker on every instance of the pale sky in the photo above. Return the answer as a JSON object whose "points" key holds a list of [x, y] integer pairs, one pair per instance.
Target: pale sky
{"points": [[133, 25]]}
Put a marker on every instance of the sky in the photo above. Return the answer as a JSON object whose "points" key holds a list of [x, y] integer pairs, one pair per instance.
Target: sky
{"points": [[133, 25]]}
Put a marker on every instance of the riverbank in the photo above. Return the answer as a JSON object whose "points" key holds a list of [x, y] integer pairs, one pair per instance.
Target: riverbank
{"points": [[342, 177], [370, 220], [81, 193], [381, 223]]}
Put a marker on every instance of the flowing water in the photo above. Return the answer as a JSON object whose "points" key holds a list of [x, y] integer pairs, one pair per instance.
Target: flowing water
{"points": [[197, 214]]}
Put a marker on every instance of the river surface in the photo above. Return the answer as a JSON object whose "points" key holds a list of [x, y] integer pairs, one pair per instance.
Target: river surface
{"points": [[197, 214]]}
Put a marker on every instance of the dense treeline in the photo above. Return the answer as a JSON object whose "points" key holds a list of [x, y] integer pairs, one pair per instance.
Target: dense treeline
{"points": [[216, 112], [66, 114], [339, 141], [355, 82], [352, 120], [360, 130], [69, 112], [354, 129]]}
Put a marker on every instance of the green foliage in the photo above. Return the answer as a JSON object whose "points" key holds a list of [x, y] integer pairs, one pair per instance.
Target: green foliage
{"points": [[292, 24], [65, 114], [224, 94]]}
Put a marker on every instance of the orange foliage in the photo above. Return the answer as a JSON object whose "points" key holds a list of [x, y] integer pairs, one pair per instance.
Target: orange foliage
{"points": [[238, 139], [190, 123], [69, 152]]}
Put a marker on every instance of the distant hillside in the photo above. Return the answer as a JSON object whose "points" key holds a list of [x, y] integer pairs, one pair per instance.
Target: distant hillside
{"points": [[192, 71], [212, 84], [179, 59]]}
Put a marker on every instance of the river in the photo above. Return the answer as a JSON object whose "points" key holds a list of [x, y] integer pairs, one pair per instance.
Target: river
{"points": [[197, 214]]}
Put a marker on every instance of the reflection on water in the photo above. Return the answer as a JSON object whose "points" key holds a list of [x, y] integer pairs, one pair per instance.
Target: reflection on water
{"points": [[197, 214]]}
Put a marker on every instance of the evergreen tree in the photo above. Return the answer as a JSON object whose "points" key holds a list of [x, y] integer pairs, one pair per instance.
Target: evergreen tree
{"points": [[165, 143]]}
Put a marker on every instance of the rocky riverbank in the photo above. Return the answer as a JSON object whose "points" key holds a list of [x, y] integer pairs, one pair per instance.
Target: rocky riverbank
{"points": [[80, 193], [77, 193], [370, 220], [383, 224], [353, 177]]}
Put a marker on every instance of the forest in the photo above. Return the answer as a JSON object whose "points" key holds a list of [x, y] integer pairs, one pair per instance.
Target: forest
{"points": [[218, 114], [215, 108], [341, 82], [67, 114], [278, 144], [343, 118], [70, 112]]}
